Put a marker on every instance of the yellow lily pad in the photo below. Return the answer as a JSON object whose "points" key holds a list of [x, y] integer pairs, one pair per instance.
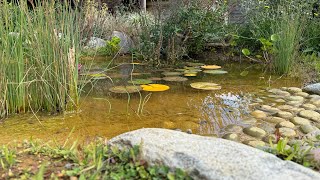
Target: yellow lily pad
{"points": [[205, 86], [155, 87], [190, 74], [211, 67]]}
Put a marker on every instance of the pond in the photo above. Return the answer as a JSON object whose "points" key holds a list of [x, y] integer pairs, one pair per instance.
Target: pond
{"points": [[107, 114]]}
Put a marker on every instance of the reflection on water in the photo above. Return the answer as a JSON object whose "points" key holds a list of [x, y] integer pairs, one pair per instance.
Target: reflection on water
{"points": [[107, 114]]}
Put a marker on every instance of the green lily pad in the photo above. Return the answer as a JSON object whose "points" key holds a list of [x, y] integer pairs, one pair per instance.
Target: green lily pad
{"points": [[140, 81], [215, 72], [171, 73], [155, 79], [175, 78], [125, 89], [186, 68], [205, 86], [194, 64], [180, 70]]}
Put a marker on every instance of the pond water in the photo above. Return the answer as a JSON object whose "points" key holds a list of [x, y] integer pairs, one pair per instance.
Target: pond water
{"points": [[108, 114]]}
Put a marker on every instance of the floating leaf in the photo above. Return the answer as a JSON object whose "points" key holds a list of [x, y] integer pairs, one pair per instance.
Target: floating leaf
{"points": [[155, 79], [194, 64], [211, 67], [190, 74], [155, 87], [180, 70], [205, 86], [246, 52], [140, 81], [244, 73], [125, 89], [171, 73], [215, 72], [175, 78]]}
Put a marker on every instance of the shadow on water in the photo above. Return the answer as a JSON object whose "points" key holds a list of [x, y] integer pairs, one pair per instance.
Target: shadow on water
{"points": [[107, 114]]}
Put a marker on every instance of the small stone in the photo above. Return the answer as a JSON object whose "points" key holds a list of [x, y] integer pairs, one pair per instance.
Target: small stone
{"points": [[279, 92], [233, 128], [254, 104], [255, 144], [284, 88], [259, 114], [231, 137], [255, 132], [308, 106], [300, 121], [309, 114], [284, 107], [249, 120], [294, 103], [287, 132], [258, 100], [296, 110], [268, 109], [285, 115], [189, 131], [315, 102], [275, 120], [294, 98], [314, 96], [287, 124], [280, 101], [294, 90], [270, 137], [308, 128], [302, 94]]}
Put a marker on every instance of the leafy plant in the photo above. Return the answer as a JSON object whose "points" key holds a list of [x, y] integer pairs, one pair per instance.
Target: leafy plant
{"points": [[112, 47]]}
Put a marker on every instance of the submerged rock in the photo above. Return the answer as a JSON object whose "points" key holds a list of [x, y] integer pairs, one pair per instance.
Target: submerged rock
{"points": [[287, 132], [231, 137], [259, 114], [309, 114], [287, 124], [300, 121], [255, 144], [275, 120], [294, 90], [285, 115], [308, 128], [210, 158], [255, 132]]}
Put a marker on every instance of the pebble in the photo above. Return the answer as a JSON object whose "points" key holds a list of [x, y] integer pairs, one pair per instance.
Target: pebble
{"points": [[255, 132], [309, 114], [309, 106], [259, 114], [294, 90], [285, 107], [287, 132], [249, 120], [285, 115], [294, 103], [303, 94], [231, 136], [270, 137], [233, 128], [287, 124], [294, 98], [280, 101], [314, 96], [189, 131], [255, 144], [315, 102], [275, 120], [296, 110], [268, 109], [308, 128], [300, 121]]}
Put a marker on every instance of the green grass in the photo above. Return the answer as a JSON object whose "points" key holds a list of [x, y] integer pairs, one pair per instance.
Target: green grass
{"points": [[38, 67]]}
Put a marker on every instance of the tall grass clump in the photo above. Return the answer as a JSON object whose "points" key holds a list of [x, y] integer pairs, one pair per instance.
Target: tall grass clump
{"points": [[39, 50]]}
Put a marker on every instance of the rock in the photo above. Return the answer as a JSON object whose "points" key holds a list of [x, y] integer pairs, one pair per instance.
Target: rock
{"points": [[268, 109], [313, 135], [287, 124], [231, 137], [296, 110], [259, 114], [279, 92], [309, 114], [285, 115], [126, 43], [284, 88], [255, 144], [284, 107], [270, 137], [280, 100], [302, 94], [294, 98], [300, 121], [255, 132], [232, 128], [274, 120], [96, 43], [308, 106], [249, 120], [308, 128], [269, 128], [314, 96], [189, 131], [287, 132], [294, 103], [312, 88], [315, 102], [294, 90], [210, 158]]}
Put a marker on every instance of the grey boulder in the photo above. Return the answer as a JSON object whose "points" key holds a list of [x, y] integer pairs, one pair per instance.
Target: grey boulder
{"points": [[210, 158], [312, 88]]}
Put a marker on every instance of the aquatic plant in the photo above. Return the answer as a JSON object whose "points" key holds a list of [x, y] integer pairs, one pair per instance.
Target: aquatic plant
{"points": [[39, 51], [205, 86], [155, 87]]}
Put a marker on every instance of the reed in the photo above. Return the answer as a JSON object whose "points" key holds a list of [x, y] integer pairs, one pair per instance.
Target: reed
{"points": [[39, 53]]}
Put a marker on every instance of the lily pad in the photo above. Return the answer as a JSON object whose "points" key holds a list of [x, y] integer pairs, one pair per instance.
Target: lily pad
{"points": [[205, 86], [155, 87], [155, 79], [190, 74], [192, 69], [211, 67], [125, 89], [180, 70], [140, 81], [175, 78], [215, 72], [171, 73]]}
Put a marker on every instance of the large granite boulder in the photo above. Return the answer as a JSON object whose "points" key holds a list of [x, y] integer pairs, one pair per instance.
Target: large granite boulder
{"points": [[210, 158], [312, 88], [96, 43]]}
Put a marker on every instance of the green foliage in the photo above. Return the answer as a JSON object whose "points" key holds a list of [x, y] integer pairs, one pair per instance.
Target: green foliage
{"points": [[112, 47], [7, 157]]}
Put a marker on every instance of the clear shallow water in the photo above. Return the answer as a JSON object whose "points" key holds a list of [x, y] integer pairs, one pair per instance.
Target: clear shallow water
{"points": [[106, 114]]}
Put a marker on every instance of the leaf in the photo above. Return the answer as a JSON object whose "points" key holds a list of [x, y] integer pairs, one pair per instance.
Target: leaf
{"points": [[246, 52], [244, 73], [275, 37]]}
